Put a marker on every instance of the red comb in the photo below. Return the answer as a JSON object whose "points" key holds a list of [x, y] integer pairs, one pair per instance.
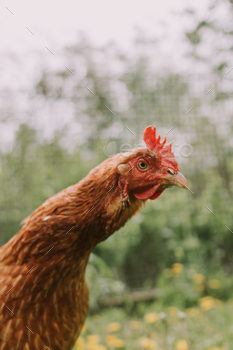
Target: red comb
{"points": [[154, 144]]}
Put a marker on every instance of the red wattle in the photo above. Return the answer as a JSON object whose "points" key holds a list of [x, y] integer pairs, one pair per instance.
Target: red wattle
{"points": [[156, 195], [146, 192]]}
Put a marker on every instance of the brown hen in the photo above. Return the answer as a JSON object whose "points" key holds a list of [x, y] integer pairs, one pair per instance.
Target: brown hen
{"points": [[43, 293]]}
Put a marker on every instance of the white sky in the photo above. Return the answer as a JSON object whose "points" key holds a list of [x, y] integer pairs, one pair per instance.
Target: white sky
{"points": [[56, 23]]}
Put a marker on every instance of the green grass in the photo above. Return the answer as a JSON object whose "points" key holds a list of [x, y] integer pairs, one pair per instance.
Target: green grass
{"points": [[205, 327], [200, 318]]}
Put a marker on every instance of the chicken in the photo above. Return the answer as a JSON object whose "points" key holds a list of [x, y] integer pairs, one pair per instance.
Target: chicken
{"points": [[43, 293]]}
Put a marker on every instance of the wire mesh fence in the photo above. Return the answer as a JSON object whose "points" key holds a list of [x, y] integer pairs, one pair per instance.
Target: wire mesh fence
{"points": [[61, 131]]}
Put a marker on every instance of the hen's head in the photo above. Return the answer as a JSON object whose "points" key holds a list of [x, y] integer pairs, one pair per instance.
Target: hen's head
{"points": [[147, 172]]}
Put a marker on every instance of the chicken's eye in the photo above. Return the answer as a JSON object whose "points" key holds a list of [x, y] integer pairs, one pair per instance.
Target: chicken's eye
{"points": [[170, 171], [142, 165]]}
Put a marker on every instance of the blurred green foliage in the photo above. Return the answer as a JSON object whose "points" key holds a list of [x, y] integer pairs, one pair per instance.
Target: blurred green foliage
{"points": [[207, 327], [177, 227]]}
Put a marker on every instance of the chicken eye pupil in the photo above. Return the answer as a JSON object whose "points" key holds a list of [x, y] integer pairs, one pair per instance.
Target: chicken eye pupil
{"points": [[142, 165]]}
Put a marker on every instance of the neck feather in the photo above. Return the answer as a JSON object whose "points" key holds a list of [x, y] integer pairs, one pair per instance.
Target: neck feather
{"points": [[65, 229]]}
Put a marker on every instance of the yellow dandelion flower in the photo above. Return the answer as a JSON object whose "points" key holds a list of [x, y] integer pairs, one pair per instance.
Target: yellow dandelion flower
{"points": [[92, 340], [151, 317], [207, 303], [181, 345], [147, 343], [217, 302], [110, 337], [100, 347], [119, 343], [134, 325], [79, 344], [114, 341], [193, 311], [153, 335], [84, 329], [214, 284], [172, 311], [113, 327], [199, 278], [177, 268]]}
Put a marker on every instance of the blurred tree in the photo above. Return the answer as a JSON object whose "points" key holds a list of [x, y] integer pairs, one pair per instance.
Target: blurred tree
{"points": [[67, 126]]}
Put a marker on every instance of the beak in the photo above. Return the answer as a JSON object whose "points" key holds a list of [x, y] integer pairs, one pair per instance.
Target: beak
{"points": [[178, 180]]}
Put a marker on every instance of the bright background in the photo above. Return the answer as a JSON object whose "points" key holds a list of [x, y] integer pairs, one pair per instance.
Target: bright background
{"points": [[152, 63]]}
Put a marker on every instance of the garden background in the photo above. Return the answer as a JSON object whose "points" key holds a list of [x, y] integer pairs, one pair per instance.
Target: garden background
{"points": [[165, 280]]}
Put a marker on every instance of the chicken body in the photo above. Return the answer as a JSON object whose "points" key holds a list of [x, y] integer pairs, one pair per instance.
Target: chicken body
{"points": [[43, 293]]}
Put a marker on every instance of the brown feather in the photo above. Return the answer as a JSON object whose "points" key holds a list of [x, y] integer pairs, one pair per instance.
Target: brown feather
{"points": [[42, 268], [43, 293]]}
